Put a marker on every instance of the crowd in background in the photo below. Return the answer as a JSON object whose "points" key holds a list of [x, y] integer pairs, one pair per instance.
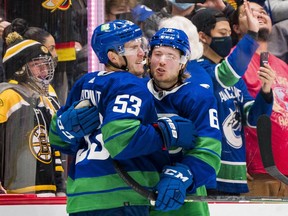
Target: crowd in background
{"points": [[231, 66]]}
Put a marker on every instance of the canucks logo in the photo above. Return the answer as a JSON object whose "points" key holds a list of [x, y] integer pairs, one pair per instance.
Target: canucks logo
{"points": [[39, 144], [232, 128], [57, 4]]}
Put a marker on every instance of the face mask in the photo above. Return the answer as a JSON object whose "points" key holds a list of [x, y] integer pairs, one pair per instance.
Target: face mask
{"points": [[221, 45], [182, 6]]}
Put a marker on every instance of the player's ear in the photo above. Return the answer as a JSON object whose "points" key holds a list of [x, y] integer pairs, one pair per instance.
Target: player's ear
{"points": [[113, 57]]}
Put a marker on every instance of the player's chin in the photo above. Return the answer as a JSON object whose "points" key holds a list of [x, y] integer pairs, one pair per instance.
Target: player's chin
{"points": [[139, 67]]}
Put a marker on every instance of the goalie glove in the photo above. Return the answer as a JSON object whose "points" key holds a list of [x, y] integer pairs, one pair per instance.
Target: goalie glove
{"points": [[177, 131], [79, 120], [172, 186]]}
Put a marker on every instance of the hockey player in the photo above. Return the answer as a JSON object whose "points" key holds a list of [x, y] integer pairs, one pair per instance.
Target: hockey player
{"points": [[173, 96], [27, 162], [126, 111], [236, 107]]}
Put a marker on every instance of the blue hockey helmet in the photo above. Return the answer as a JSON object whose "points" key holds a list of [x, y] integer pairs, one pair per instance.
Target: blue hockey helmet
{"points": [[171, 37], [112, 36]]}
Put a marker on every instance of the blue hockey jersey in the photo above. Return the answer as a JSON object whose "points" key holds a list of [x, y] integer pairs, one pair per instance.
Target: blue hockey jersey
{"points": [[235, 108], [127, 112], [198, 104], [194, 101]]}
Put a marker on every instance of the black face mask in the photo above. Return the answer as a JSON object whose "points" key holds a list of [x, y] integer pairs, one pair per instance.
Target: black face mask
{"points": [[221, 45]]}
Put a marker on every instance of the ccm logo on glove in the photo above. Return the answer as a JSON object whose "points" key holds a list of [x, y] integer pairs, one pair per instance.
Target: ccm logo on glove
{"points": [[177, 174]]}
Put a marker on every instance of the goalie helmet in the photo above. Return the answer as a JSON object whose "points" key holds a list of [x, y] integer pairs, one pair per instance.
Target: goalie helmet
{"points": [[112, 36], [28, 61], [174, 38]]}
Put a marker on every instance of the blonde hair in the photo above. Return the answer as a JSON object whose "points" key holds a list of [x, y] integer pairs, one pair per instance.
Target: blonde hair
{"points": [[184, 24]]}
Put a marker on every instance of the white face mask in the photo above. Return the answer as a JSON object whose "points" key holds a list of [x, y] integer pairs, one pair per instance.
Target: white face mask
{"points": [[182, 6]]}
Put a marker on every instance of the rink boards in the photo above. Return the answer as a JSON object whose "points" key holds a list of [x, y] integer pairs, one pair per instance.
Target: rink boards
{"points": [[16, 205]]}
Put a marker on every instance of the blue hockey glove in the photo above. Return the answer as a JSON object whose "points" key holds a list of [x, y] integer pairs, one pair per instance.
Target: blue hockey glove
{"points": [[79, 120], [172, 186], [177, 131]]}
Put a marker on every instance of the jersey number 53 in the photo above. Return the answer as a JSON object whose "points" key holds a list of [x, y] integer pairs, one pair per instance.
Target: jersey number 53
{"points": [[127, 104]]}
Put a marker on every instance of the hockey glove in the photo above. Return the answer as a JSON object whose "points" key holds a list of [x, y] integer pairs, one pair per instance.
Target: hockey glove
{"points": [[172, 186], [79, 120], [177, 131]]}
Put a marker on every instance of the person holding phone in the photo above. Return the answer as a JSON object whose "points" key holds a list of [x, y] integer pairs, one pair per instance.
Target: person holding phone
{"points": [[236, 107], [260, 183]]}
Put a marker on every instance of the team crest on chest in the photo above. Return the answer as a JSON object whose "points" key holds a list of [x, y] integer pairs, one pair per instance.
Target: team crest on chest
{"points": [[39, 144]]}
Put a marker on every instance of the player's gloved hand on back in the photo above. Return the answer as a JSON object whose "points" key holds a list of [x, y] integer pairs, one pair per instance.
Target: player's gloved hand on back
{"points": [[174, 181], [177, 131], [79, 120]]}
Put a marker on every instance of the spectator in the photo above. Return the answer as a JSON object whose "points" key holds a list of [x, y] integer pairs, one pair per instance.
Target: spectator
{"points": [[3, 25], [277, 9], [140, 13], [81, 64], [278, 40], [235, 106], [21, 26], [182, 9], [261, 183], [119, 9], [29, 163], [151, 24], [62, 25], [155, 5]]}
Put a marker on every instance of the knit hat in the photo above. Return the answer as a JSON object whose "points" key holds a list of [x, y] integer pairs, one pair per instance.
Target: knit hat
{"points": [[206, 18], [20, 52]]}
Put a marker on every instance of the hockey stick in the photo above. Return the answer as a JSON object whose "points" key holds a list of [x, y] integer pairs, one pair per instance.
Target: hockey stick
{"points": [[150, 195], [132, 183], [265, 146]]}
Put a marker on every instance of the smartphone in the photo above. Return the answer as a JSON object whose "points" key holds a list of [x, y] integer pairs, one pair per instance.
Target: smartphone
{"points": [[263, 58], [190, 1]]}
